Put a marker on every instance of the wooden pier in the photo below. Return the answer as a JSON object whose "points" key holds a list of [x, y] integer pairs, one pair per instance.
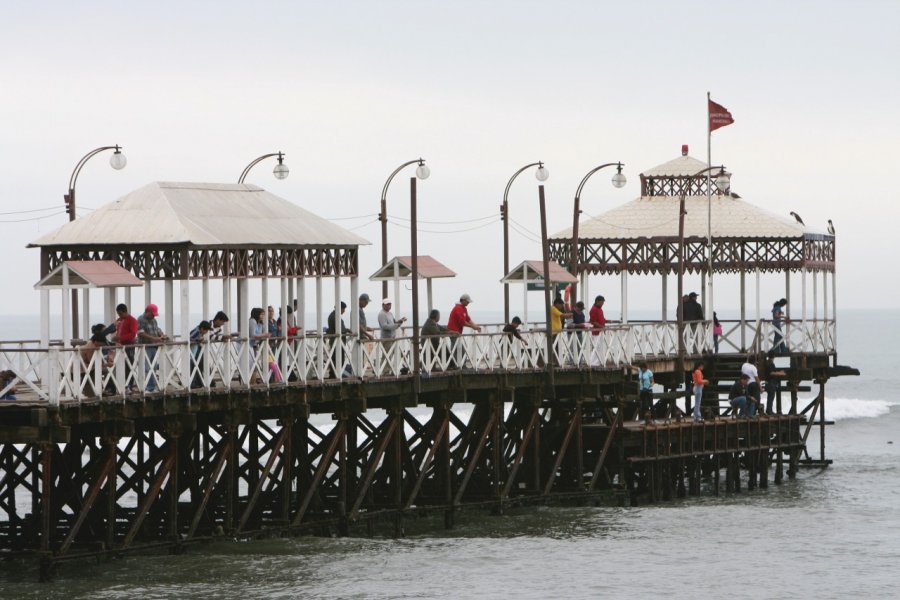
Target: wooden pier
{"points": [[184, 439], [101, 477]]}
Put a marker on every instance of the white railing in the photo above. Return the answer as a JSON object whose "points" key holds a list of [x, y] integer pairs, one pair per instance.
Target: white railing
{"points": [[57, 373]]}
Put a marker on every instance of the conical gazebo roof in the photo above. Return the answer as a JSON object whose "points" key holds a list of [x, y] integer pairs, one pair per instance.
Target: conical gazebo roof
{"points": [[642, 235]]}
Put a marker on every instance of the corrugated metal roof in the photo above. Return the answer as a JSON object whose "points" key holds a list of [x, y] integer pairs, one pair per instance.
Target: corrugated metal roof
{"points": [[89, 273], [201, 214], [657, 216], [534, 269], [429, 268]]}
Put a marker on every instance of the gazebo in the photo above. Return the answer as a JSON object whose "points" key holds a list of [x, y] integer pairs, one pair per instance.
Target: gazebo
{"points": [[642, 237], [400, 268], [531, 272], [182, 232], [81, 274]]}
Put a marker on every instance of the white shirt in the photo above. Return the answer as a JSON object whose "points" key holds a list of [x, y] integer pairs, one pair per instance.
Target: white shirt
{"points": [[750, 371]]}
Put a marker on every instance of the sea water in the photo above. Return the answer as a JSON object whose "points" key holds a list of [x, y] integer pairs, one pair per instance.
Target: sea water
{"points": [[832, 533]]}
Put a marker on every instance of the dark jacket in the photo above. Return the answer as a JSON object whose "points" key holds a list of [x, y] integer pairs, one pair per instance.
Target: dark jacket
{"points": [[693, 311]]}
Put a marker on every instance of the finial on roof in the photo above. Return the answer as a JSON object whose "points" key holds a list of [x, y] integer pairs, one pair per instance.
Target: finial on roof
{"points": [[684, 149]]}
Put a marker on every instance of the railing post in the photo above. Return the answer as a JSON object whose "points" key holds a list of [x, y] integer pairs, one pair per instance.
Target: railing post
{"points": [[51, 377]]}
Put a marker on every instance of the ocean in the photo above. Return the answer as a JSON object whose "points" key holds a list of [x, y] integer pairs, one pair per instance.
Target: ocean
{"points": [[832, 533]]}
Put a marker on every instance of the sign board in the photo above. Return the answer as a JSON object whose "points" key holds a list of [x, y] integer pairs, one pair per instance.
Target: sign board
{"points": [[538, 286]]}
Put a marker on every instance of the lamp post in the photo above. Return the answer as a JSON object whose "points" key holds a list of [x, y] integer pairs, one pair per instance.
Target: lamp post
{"points": [[618, 180], [117, 161], [280, 171], [722, 182], [422, 172], [541, 173]]}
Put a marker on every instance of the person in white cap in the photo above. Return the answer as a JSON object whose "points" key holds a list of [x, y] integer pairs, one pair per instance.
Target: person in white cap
{"points": [[386, 321]]}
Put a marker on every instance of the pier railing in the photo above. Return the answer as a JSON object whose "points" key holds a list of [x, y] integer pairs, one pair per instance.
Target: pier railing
{"points": [[57, 374]]}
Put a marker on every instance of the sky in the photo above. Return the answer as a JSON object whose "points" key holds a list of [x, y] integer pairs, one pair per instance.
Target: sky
{"points": [[350, 90]]}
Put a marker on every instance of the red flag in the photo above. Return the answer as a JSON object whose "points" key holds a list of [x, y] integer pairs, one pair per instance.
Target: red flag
{"points": [[718, 116]]}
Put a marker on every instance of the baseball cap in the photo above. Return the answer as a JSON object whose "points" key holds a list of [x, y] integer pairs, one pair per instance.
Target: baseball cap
{"points": [[152, 309], [364, 297], [465, 297], [386, 301]]}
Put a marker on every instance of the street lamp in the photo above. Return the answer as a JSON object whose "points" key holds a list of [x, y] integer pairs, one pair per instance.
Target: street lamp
{"points": [[117, 161], [541, 174], [422, 172], [618, 180], [280, 171], [722, 182]]}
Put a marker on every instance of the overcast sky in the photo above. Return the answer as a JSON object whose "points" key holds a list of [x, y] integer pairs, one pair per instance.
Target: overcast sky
{"points": [[349, 90]]}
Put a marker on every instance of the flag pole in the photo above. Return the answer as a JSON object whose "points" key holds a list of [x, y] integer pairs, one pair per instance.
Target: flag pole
{"points": [[710, 305]]}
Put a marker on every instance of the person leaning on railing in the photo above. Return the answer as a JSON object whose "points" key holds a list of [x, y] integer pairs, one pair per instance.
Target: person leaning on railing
{"points": [[434, 331], [460, 319], [149, 332], [87, 352]]}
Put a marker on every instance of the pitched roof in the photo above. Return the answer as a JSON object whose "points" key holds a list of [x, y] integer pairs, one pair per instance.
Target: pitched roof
{"points": [[534, 271], [657, 216], [201, 215], [89, 273], [429, 268]]}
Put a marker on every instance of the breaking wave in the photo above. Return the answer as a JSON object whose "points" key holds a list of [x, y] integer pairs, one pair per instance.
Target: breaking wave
{"points": [[838, 409]]}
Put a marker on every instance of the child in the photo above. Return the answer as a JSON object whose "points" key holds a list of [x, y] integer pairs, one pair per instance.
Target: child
{"points": [[717, 332], [699, 382]]}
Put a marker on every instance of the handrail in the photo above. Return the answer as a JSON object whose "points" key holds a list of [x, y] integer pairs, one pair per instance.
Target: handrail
{"points": [[178, 366]]}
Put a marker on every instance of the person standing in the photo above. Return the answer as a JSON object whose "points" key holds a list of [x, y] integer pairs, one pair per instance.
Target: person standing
{"points": [[217, 331], [459, 316], [332, 322], [365, 332], [645, 388], [598, 321], [773, 382], [596, 316], [126, 335], [699, 383], [693, 310], [512, 330], [387, 323], [150, 333], [717, 332], [777, 319], [749, 369], [199, 337], [434, 331], [558, 315], [459, 320]]}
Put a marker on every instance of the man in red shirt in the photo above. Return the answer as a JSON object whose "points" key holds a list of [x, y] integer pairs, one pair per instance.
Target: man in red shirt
{"points": [[598, 319], [126, 334], [459, 316], [126, 326]]}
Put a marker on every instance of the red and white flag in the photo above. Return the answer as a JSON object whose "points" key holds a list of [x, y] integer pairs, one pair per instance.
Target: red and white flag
{"points": [[718, 116]]}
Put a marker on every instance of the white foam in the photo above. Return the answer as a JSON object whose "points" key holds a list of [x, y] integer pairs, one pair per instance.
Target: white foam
{"points": [[837, 409]]}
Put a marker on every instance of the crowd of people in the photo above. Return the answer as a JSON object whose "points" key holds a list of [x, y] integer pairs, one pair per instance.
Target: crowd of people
{"points": [[745, 395]]}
